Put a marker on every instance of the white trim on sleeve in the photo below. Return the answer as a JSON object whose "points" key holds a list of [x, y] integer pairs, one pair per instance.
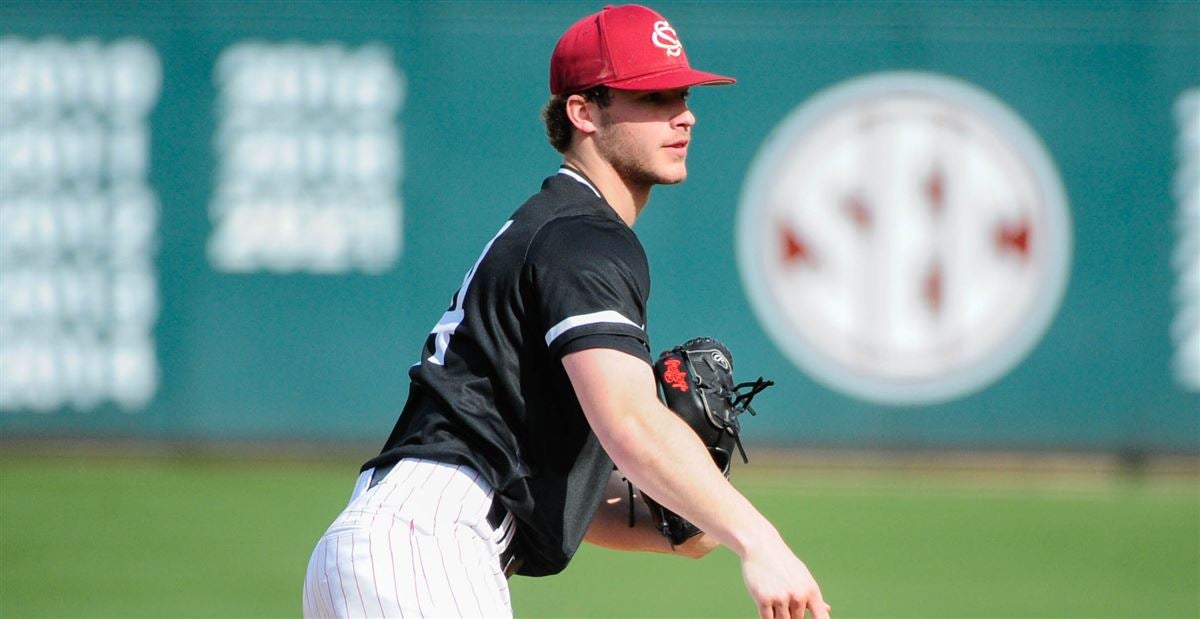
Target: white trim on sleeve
{"points": [[606, 316]]}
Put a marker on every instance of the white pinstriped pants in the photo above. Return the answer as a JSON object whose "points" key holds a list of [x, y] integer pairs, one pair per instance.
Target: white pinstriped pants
{"points": [[417, 544]]}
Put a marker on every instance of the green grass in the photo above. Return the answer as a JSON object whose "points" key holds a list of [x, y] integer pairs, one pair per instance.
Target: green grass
{"points": [[95, 537]]}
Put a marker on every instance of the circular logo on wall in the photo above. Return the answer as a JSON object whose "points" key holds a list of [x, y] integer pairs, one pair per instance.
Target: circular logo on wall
{"points": [[904, 238]]}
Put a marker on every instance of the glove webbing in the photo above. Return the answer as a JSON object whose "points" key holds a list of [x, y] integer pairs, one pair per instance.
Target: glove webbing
{"points": [[739, 403]]}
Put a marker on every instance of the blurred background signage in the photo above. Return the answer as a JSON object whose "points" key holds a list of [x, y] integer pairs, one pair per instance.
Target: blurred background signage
{"points": [[969, 227], [309, 159], [78, 224], [904, 237]]}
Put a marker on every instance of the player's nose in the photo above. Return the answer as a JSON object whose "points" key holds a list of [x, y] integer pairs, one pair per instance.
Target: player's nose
{"points": [[685, 118]]}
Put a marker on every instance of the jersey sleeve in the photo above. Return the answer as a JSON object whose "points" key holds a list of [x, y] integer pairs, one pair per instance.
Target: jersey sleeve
{"points": [[589, 283]]}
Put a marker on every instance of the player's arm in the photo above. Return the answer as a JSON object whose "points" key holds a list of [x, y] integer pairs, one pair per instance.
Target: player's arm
{"points": [[661, 455], [610, 528]]}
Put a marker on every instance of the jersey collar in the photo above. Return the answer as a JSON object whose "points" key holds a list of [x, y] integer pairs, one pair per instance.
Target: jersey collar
{"points": [[567, 170]]}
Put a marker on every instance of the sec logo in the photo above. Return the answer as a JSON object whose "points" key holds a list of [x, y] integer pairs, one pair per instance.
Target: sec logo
{"points": [[904, 238]]}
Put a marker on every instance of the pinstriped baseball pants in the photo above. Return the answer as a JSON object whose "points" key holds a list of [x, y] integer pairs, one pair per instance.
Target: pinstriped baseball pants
{"points": [[417, 544]]}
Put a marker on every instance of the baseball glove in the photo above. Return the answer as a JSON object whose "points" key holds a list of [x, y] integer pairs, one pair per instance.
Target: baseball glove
{"points": [[696, 379]]}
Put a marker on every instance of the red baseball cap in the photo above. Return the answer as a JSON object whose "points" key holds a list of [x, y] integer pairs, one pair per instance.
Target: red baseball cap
{"points": [[627, 47]]}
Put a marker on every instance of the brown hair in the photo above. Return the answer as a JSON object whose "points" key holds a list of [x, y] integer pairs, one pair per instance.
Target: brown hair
{"points": [[558, 127]]}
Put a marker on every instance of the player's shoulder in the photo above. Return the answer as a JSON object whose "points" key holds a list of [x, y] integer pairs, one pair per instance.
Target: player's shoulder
{"points": [[588, 223], [586, 235], [567, 219]]}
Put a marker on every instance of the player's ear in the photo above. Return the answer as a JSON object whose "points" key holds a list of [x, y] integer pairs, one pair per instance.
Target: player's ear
{"points": [[582, 113]]}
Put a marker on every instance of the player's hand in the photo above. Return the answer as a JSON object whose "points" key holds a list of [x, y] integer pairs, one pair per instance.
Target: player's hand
{"points": [[782, 586]]}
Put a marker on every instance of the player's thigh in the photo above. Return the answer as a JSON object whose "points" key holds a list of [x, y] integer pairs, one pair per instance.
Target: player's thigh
{"points": [[402, 571]]}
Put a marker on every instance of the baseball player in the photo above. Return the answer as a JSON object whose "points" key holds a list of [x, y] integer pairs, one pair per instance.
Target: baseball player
{"points": [[538, 378]]}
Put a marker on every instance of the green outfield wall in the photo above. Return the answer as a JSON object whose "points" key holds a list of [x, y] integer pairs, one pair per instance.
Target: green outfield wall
{"points": [[934, 224]]}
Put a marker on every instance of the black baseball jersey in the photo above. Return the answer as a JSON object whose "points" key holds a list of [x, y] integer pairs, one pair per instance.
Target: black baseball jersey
{"points": [[563, 274]]}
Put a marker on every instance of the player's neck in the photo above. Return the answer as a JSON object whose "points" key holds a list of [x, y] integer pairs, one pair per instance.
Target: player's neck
{"points": [[627, 199]]}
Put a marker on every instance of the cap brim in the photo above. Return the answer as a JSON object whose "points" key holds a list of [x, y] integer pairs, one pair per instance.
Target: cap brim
{"points": [[669, 80]]}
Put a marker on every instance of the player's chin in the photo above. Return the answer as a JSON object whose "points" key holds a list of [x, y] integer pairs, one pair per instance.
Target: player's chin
{"points": [[673, 174]]}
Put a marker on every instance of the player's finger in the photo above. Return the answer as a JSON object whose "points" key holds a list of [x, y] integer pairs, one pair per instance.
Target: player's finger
{"points": [[773, 609], [820, 610]]}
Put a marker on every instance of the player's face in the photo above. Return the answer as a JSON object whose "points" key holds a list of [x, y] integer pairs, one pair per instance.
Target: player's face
{"points": [[644, 135]]}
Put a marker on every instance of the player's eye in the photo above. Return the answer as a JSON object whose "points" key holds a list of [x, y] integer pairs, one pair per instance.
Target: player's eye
{"points": [[661, 97]]}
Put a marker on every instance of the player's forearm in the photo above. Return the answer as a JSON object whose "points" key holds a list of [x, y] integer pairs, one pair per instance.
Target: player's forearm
{"points": [[658, 452], [664, 458], [611, 528]]}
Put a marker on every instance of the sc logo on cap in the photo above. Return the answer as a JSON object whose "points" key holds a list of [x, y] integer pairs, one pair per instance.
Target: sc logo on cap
{"points": [[666, 38]]}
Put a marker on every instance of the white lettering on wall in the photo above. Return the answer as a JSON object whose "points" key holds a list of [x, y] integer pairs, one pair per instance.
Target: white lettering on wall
{"points": [[78, 224], [309, 159], [1185, 329]]}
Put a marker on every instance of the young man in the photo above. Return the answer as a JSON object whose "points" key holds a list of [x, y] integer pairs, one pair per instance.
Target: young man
{"points": [[538, 378]]}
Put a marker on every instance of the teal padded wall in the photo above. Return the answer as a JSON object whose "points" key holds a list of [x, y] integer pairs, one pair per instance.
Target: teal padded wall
{"points": [[261, 352]]}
